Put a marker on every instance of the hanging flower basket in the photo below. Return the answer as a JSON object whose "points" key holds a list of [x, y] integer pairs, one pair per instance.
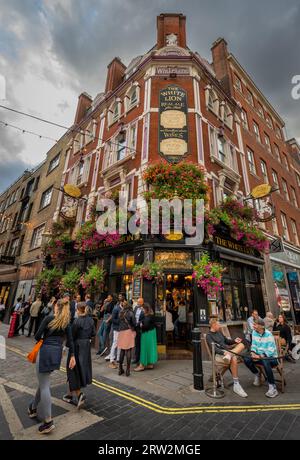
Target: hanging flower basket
{"points": [[208, 275], [93, 280], [151, 271], [49, 282], [240, 221]]}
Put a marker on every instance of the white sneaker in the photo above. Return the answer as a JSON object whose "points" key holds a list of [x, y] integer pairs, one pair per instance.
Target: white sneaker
{"points": [[237, 388], [256, 381], [107, 358], [272, 392]]}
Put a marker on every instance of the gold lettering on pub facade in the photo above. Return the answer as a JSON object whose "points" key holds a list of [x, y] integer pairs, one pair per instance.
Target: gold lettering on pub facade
{"points": [[234, 246], [173, 119], [173, 147]]}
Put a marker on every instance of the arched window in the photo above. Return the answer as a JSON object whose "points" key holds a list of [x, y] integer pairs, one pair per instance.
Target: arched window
{"points": [[132, 97], [212, 100], [114, 112]]}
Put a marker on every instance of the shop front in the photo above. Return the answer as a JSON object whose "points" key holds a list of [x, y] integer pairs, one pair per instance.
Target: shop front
{"points": [[8, 283], [179, 305], [286, 277]]}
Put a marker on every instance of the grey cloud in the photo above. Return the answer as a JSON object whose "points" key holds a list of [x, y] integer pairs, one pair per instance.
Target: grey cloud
{"points": [[11, 164], [84, 36]]}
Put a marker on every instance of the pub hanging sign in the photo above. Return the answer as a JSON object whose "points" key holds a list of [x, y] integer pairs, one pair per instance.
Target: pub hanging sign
{"points": [[173, 129]]}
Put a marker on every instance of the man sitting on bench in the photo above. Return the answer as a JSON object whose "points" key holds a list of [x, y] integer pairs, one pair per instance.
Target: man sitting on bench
{"points": [[223, 346], [263, 346]]}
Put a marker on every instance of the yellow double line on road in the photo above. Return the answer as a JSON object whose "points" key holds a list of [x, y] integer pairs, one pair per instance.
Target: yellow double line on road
{"points": [[182, 410]]}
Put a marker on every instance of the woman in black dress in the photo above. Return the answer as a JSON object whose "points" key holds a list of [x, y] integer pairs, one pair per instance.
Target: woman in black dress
{"points": [[83, 329]]}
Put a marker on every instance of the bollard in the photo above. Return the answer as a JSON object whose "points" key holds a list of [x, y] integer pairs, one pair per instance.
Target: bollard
{"points": [[197, 359], [214, 392]]}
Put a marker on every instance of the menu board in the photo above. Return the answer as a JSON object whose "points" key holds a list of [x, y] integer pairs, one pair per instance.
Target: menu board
{"points": [[173, 129], [137, 288]]}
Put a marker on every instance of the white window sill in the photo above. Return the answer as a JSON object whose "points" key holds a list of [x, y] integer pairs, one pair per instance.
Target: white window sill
{"points": [[215, 159], [118, 163]]}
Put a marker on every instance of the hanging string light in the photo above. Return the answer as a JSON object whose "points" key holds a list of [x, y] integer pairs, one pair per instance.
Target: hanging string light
{"points": [[85, 132], [25, 131]]}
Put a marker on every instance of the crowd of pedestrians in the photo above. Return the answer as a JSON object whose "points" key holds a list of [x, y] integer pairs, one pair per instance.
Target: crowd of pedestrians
{"points": [[126, 333]]}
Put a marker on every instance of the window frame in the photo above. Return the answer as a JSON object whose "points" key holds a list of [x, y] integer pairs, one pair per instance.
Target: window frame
{"points": [[264, 170], [34, 233], [252, 165], [42, 205], [285, 227], [256, 131], [50, 169]]}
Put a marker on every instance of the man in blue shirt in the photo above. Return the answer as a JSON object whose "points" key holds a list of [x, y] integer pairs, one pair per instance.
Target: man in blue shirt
{"points": [[263, 346]]}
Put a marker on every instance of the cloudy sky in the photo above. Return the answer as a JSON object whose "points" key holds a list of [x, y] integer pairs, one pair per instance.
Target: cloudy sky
{"points": [[52, 50]]}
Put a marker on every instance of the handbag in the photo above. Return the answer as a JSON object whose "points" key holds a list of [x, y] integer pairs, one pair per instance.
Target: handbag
{"points": [[32, 355]]}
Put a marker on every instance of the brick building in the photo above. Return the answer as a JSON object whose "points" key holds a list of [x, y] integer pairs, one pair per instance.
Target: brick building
{"points": [[229, 128], [233, 131], [43, 206], [269, 159], [16, 205]]}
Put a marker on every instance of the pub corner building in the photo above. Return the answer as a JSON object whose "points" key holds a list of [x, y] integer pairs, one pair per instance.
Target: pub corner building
{"points": [[171, 105]]}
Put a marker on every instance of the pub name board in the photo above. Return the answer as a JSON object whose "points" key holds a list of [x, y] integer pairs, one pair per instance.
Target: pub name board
{"points": [[224, 243], [173, 129]]}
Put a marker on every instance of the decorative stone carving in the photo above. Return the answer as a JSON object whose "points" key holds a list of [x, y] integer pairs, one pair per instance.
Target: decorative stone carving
{"points": [[171, 39]]}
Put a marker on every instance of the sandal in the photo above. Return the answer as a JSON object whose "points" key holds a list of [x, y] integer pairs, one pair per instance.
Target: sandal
{"points": [[139, 368]]}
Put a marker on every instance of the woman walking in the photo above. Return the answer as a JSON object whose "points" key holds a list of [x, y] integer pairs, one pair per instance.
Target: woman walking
{"points": [[126, 337], [25, 315], [83, 330], [53, 331], [148, 355]]}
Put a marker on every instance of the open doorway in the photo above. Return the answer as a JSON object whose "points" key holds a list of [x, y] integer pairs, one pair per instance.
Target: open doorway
{"points": [[178, 300]]}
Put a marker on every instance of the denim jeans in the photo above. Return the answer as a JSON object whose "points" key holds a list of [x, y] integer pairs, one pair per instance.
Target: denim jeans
{"points": [[266, 363], [103, 333]]}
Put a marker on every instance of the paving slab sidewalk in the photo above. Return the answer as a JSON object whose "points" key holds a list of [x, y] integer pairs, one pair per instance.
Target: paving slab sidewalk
{"points": [[173, 380]]}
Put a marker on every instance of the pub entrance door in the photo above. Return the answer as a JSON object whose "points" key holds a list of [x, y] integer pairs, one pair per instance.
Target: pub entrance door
{"points": [[177, 295]]}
